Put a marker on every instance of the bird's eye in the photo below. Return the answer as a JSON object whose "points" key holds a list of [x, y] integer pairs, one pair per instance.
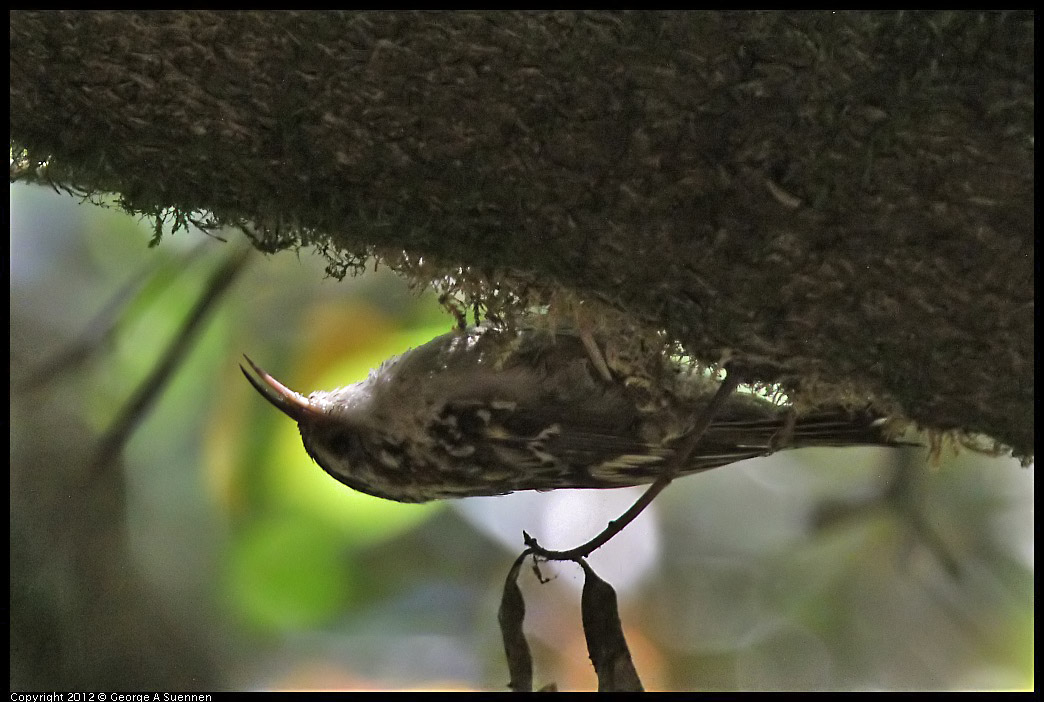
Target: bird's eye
{"points": [[340, 442]]}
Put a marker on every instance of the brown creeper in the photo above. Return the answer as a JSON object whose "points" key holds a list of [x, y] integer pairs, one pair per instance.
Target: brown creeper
{"points": [[487, 412]]}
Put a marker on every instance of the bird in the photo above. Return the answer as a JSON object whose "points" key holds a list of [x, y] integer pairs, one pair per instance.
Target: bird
{"points": [[485, 411]]}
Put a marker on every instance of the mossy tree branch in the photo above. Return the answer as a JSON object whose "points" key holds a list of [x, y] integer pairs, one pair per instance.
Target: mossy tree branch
{"points": [[838, 199]]}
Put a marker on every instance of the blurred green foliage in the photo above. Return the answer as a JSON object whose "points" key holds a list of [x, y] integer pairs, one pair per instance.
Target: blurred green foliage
{"points": [[799, 572]]}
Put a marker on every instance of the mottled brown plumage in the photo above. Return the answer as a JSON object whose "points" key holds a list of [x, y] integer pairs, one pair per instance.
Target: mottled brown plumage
{"points": [[487, 412]]}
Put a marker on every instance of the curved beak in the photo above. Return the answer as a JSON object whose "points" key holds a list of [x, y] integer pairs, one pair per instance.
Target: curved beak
{"points": [[293, 404]]}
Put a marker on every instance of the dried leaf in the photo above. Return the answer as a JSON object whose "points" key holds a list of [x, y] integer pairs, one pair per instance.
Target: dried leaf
{"points": [[605, 639], [512, 612]]}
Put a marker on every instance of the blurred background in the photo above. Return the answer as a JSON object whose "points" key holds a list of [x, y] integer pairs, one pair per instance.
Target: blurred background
{"points": [[211, 553]]}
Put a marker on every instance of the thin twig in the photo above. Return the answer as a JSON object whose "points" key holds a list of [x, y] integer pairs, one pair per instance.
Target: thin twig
{"points": [[137, 407], [102, 327], [681, 456]]}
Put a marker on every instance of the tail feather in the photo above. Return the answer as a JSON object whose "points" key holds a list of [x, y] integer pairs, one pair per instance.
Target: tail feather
{"points": [[831, 428]]}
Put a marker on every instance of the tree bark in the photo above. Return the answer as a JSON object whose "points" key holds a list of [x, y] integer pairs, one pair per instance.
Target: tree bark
{"points": [[842, 200]]}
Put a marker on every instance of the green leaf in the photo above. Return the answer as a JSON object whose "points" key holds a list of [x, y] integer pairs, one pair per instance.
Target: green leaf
{"points": [[288, 572]]}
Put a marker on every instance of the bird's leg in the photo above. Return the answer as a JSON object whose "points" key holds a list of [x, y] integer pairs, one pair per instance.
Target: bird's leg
{"points": [[583, 326], [785, 434], [597, 359]]}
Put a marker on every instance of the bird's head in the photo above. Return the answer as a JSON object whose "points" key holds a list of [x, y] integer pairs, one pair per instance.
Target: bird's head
{"points": [[334, 432]]}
